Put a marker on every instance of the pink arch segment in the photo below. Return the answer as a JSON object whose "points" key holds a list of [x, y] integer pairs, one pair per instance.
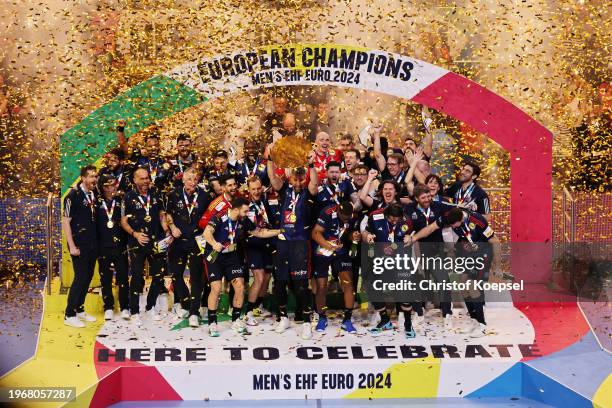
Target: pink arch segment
{"points": [[528, 142]]}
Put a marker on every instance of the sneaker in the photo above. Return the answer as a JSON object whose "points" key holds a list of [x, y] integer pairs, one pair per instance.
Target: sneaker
{"points": [[448, 322], [473, 324], [263, 312], [153, 315], [108, 314], [381, 327], [417, 319], [74, 322], [348, 327], [410, 334], [249, 319], [194, 321], [125, 314], [179, 311], [213, 330], [374, 319], [306, 331], [86, 317], [238, 327], [479, 331], [321, 324], [282, 325], [314, 319]]}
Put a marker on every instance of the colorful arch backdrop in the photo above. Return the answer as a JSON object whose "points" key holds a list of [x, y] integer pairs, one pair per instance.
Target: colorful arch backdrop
{"points": [[528, 142]]}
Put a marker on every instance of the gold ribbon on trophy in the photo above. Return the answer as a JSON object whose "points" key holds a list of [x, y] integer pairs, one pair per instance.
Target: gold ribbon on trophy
{"points": [[291, 152]]}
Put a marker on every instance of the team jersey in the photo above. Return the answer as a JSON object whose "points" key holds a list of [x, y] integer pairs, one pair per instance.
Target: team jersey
{"points": [[258, 168], [384, 230], [226, 232], [108, 223], [334, 230], [143, 215], [422, 217], [178, 167], [186, 211], [473, 193], [321, 161], [220, 205], [296, 210], [80, 207], [328, 194], [259, 216], [474, 228]]}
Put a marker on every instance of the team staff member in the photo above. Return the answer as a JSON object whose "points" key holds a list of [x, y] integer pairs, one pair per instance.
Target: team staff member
{"points": [[184, 209], [143, 218], [467, 193], [475, 239], [334, 233], [112, 246], [297, 200], [184, 159], [259, 252], [222, 234], [79, 225], [389, 226], [422, 212], [116, 167]]}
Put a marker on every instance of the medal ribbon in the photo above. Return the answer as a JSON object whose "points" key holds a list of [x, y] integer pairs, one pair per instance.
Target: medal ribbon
{"points": [[148, 206], [391, 229], [231, 230], [90, 200], [426, 214], [261, 212], [190, 205], [461, 195], [109, 214]]}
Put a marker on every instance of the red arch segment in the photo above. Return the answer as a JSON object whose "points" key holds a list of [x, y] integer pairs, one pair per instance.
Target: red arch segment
{"points": [[528, 142]]}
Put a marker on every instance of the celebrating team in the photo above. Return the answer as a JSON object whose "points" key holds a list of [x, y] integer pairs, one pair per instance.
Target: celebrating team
{"points": [[249, 218]]}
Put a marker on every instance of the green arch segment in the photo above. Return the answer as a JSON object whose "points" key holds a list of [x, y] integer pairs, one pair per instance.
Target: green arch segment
{"points": [[142, 105]]}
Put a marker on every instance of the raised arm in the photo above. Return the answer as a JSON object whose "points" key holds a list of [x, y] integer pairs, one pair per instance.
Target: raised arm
{"points": [[313, 183], [381, 162], [275, 181], [427, 142], [364, 193]]}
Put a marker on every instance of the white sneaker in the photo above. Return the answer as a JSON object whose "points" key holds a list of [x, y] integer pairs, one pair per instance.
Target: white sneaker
{"points": [[479, 331], [306, 331], [213, 330], [162, 302], [179, 311], [153, 315], [239, 327], [86, 317], [473, 323], [417, 320], [109, 314], [448, 322], [194, 321], [264, 312], [283, 325], [374, 319], [74, 322], [125, 314], [250, 320]]}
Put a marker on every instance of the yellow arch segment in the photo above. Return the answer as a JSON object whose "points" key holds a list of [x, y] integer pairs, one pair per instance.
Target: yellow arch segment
{"points": [[417, 378], [603, 395]]}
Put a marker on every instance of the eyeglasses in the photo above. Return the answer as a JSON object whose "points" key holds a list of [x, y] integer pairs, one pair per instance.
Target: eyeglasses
{"points": [[360, 174]]}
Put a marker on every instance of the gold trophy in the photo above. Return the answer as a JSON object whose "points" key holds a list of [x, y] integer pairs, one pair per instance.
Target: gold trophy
{"points": [[291, 152]]}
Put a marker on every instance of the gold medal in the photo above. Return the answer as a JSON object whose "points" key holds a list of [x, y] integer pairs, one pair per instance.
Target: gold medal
{"points": [[110, 224], [147, 218], [292, 217]]}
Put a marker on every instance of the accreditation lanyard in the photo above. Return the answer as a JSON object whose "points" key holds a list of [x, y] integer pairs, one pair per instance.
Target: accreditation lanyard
{"points": [[400, 177], [461, 195], [190, 205]]}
